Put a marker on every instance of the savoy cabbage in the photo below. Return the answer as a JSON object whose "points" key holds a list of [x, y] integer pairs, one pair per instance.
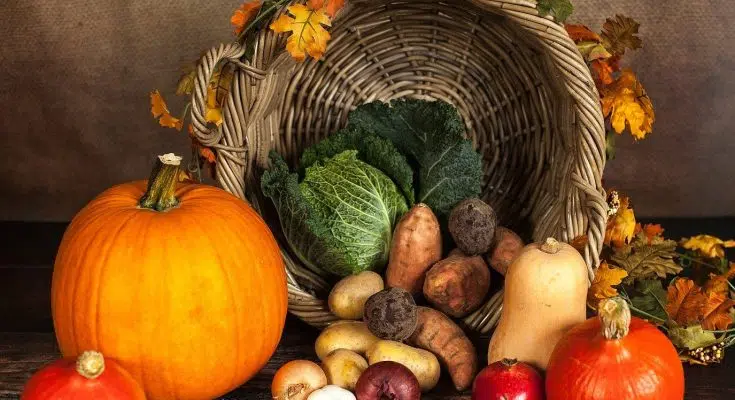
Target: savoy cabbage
{"points": [[340, 218]]}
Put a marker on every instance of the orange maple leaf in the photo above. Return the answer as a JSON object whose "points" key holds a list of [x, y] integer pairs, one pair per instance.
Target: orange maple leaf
{"points": [[244, 14], [208, 154], [717, 312], [604, 70], [686, 302], [626, 103], [580, 242], [719, 283], [159, 109], [650, 231], [581, 33], [331, 7], [308, 35]]}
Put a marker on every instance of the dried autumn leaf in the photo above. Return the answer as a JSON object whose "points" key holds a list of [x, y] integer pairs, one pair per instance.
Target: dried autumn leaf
{"points": [[331, 7], [717, 312], [581, 33], [603, 73], [214, 111], [592, 51], [602, 285], [185, 176], [718, 283], [686, 302], [185, 85], [580, 243], [626, 103], [160, 111], [692, 337], [244, 14], [560, 9], [621, 226], [650, 233], [619, 34], [308, 35], [208, 154], [648, 261], [707, 245], [652, 299]]}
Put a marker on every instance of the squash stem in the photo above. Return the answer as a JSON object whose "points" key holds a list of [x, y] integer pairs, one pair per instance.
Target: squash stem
{"points": [[551, 246], [90, 364], [161, 192], [614, 315]]}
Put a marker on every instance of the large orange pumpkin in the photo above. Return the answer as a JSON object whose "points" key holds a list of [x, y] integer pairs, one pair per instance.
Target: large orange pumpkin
{"points": [[183, 284]]}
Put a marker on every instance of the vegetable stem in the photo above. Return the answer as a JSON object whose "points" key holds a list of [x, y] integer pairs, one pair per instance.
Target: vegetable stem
{"points": [[90, 364], [161, 192], [614, 314], [695, 260]]}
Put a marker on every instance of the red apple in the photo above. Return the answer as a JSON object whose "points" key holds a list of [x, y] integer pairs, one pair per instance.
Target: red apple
{"points": [[508, 380]]}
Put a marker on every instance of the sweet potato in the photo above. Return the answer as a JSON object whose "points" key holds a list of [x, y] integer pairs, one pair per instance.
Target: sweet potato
{"points": [[507, 247], [438, 334], [457, 285], [416, 246]]}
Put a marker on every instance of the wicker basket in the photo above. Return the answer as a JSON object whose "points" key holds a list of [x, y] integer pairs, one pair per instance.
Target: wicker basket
{"points": [[524, 91]]}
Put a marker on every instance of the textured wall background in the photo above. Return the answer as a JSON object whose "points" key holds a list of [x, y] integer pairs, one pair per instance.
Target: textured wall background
{"points": [[75, 78]]}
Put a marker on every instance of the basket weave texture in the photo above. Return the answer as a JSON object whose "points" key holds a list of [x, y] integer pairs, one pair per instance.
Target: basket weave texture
{"points": [[522, 88]]}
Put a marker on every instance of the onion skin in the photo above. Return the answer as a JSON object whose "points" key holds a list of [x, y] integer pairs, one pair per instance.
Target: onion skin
{"points": [[296, 379], [640, 364], [388, 379], [508, 380]]}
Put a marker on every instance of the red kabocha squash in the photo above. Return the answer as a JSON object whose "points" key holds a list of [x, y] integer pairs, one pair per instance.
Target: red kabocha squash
{"points": [[89, 377], [183, 284], [613, 357]]}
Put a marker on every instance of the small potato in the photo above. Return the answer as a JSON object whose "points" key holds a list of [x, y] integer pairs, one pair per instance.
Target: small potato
{"points": [[507, 247], [457, 285], [422, 363], [343, 368], [348, 335], [347, 298]]}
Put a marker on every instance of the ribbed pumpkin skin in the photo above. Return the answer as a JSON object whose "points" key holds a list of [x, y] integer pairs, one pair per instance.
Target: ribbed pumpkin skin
{"points": [[641, 366], [60, 381], [191, 301]]}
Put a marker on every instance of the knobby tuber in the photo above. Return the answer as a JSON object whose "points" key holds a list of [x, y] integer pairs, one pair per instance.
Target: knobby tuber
{"points": [[508, 246], [457, 285], [417, 244], [440, 335]]}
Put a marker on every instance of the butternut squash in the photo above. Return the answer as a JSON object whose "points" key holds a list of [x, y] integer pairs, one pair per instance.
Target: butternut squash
{"points": [[545, 293]]}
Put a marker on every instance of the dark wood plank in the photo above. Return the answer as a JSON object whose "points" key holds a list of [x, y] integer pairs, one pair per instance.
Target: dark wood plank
{"points": [[21, 354]]}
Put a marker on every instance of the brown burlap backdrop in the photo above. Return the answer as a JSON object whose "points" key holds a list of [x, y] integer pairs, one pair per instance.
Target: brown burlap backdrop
{"points": [[75, 77]]}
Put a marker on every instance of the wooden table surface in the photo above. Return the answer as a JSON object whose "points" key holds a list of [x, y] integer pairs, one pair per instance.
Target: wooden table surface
{"points": [[27, 341]]}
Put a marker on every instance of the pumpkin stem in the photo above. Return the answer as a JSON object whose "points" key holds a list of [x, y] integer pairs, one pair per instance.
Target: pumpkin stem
{"points": [[161, 192], [551, 246], [614, 315], [91, 364]]}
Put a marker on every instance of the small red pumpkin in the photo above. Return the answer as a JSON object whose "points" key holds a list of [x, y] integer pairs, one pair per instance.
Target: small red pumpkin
{"points": [[614, 357], [90, 376]]}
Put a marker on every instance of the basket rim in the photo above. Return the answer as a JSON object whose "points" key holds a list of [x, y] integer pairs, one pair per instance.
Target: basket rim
{"points": [[563, 54]]}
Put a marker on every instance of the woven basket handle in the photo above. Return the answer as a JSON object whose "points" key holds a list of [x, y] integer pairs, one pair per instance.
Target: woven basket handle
{"points": [[205, 69]]}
